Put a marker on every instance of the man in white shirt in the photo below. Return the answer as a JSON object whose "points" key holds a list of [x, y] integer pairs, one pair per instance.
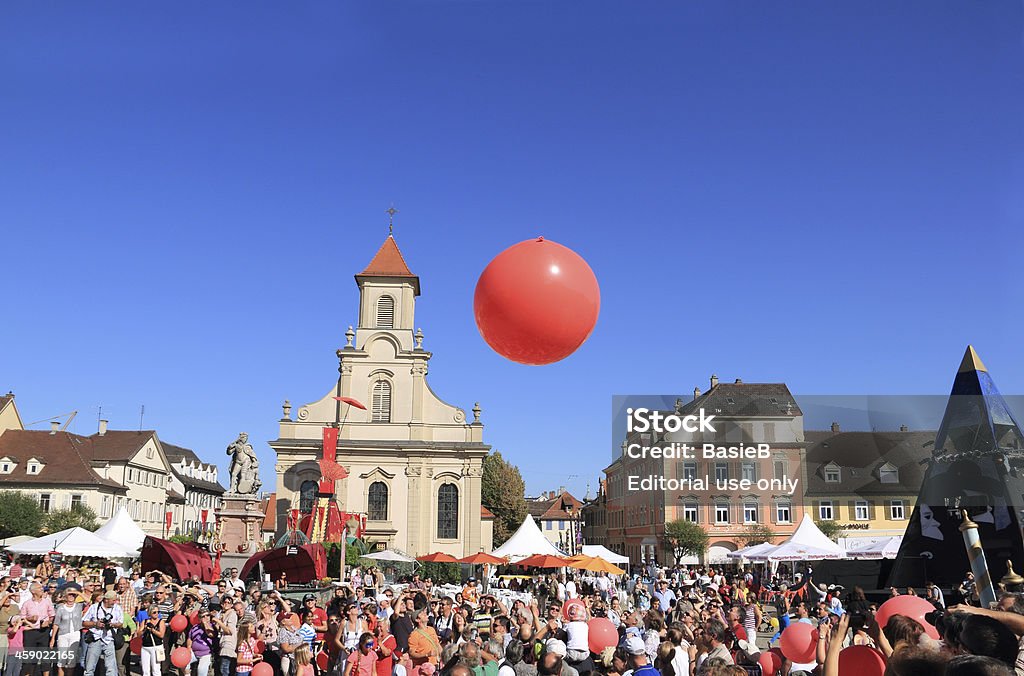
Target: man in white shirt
{"points": [[102, 620], [570, 589]]}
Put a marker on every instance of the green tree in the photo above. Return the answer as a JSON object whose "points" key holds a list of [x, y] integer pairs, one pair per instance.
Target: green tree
{"points": [[20, 514], [81, 516], [756, 534], [685, 537], [503, 491], [441, 573], [833, 530], [182, 539]]}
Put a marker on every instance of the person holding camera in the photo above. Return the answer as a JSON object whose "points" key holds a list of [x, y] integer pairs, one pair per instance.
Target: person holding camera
{"points": [[103, 620], [152, 630]]}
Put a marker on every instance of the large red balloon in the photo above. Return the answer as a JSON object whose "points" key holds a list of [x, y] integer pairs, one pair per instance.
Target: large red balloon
{"points": [[179, 623], [913, 607], [536, 302], [770, 661], [862, 660], [799, 642], [573, 602], [262, 669], [181, 657], [601, 634]]}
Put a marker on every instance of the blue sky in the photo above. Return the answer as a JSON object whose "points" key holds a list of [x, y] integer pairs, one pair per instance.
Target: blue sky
{"points": [[826, 194]]}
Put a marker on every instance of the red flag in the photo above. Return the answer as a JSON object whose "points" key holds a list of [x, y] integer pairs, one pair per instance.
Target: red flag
{"points": [[330, 443], [167, 519], [205, 513]]}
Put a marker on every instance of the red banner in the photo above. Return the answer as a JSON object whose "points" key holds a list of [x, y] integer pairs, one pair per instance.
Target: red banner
{"points": [[205, 513], [330, 443], [167, 520]]}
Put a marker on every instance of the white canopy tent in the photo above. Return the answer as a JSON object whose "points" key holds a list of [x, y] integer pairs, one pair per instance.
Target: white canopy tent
{"points": [[808, 543], [71, 542], [874, 548], [122, 530], [602, 552], [388, 555], [526, 541], [752, 552]]}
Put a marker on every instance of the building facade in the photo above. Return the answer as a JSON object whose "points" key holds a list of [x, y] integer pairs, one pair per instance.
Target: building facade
{"points": [[559, 516], [414, 462], [595, 517], [865, 481], [198, 483], [746, 414]]}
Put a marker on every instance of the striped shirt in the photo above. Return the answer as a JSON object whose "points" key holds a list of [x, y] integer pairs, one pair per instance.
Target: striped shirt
{"points": [[308, 634]]}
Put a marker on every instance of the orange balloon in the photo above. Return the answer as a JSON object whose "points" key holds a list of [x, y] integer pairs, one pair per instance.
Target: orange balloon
{"points": [[536, 302]]}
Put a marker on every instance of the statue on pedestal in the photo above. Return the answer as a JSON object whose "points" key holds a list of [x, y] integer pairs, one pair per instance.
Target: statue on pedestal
{"points": [[245, 467]]}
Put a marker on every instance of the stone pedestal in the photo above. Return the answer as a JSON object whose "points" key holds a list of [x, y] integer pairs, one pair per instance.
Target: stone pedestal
{"points": [[239, 525]]}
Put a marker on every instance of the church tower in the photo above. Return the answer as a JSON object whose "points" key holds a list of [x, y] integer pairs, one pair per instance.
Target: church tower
{"points": [[414, 462]]}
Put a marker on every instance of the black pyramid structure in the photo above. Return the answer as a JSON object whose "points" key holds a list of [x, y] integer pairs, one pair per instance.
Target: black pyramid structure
{"points": [[978, 465]]}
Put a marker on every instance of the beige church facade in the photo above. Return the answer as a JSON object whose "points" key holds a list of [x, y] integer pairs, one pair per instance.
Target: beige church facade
{"points": [[414, 461]]}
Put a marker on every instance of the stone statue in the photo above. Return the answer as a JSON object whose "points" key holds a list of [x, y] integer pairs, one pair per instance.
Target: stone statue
{"points": [[245, 467]]}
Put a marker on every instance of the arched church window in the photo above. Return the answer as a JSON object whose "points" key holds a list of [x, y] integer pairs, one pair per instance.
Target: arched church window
{"points": [[385, 312], [448, 512], [377, 504], [381, 401], [307, 496]]}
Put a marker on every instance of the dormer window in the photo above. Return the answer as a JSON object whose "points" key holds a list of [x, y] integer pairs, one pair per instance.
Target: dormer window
{"points": [[833, 475], [7, 465], [888, 474], [33, 467]]}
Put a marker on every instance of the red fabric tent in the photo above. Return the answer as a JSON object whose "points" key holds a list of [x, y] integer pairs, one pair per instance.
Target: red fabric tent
{"points": [[183, 561], [307, 563]]}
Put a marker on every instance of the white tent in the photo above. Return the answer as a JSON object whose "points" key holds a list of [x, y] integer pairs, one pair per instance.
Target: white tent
{"points": [[122, 530], [753, 552], [602, 552], [874, 548], [526, 541], [71, 542], [808, 543], [388, 555]]}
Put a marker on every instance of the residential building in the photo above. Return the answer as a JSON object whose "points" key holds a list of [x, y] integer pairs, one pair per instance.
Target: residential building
{"points": [[414, 462], [745, 414], [558, 514], [865, 481], [198, 483], [9, 418], [594, 517]]}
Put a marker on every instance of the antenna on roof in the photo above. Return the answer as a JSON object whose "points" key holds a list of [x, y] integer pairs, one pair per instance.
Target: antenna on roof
{"points": [[142, 414]]}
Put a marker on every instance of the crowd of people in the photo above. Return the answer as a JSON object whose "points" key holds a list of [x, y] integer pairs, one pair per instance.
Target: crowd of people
{"points": [[61, 621]]}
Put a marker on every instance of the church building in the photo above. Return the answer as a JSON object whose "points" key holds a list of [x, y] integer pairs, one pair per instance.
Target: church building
{"points": [[414, 461]]}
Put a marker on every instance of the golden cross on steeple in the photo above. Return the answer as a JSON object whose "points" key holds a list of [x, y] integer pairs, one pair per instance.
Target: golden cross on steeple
{"points": [[391, 211]]}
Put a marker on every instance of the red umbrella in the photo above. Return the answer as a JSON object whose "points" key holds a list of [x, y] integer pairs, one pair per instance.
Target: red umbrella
{"points": [[332, 471], [437, 557], [481, 558], [543, 561], [351, 402]]}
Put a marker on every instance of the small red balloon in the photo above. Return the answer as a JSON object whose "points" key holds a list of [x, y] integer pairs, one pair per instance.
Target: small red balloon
{"points": [[913, 607], [181, 657], [862, 660], [601, 634], [569, 604], [536, 302], [179, 623], [799, 642], [770, 661], [262, 669]]}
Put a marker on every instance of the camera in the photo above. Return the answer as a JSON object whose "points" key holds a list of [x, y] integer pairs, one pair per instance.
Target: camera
{"points": [[936, 618]]}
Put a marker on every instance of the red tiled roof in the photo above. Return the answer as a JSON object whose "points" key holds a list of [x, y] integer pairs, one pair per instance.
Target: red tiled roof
{"points": [[65, 457], [486, 513], [270, 512], [557, 510], [388, 262], [119, 445]]}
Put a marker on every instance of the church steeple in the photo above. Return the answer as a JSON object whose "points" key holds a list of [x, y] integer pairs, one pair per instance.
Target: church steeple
{"points": [[387, 291]]}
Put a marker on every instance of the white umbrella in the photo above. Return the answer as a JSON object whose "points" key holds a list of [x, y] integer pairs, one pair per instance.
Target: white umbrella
{"points": [[388, 555]]}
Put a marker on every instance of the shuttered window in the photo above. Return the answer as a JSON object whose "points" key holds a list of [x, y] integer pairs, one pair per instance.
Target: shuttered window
{"points": [[382, 401], [385, 312]]}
